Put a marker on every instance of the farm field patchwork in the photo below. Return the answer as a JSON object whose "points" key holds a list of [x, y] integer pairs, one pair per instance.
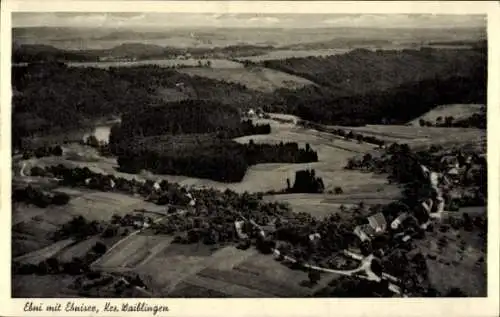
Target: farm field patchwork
{"points": [[33, 226], [215, 63], [133, 250]]}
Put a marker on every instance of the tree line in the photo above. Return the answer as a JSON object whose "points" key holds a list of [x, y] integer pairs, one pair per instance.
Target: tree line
{"points": [[37, 197]]}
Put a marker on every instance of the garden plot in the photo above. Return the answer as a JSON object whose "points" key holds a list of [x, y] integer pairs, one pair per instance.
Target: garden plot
{"points": [[453, 261]]}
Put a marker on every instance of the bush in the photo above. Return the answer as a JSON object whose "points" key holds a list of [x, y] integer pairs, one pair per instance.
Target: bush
{"points": [[60, 199]]}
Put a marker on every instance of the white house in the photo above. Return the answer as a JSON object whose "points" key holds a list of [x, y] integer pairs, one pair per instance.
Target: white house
{"points": [[314, 236], [156, 186], [238, 225], [398, 221]]}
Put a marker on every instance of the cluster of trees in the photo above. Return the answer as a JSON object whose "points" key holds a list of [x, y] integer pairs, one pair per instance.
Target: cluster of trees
{"points": [[306, 182], [43, 151], [39, 198], [447, 122], [354, 287], [78, 228]]}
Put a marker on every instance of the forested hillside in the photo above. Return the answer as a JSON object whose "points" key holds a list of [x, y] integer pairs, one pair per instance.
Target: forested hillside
{"points": [[364, 87], [53, 96], [364, 70]]}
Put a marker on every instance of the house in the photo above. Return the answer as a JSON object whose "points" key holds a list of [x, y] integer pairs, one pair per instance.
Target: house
{"points": [[377, 222], [314, 236], [399, 220], [450, 161], [157, 186], [360, 231], [376, 225], [192, 201], [238, 225]]}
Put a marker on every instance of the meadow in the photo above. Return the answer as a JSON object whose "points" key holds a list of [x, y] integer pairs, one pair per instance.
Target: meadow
{"points": [[256, 78]]}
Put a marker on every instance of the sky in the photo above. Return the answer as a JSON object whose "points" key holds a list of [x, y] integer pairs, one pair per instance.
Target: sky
{"points": [[179, 20]]}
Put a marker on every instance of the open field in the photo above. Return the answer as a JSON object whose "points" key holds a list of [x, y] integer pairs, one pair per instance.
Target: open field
{"points": [[457, 111], [175, 263], [215, 63], [256, 78], [422, 136], [227, 272], [322, 205], [133, 251], [284, 53]]}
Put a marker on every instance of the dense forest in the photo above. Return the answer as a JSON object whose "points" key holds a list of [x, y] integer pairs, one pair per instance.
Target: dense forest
{"points": [[393, 106], [205, 156], [363, 70], [186, 117]]}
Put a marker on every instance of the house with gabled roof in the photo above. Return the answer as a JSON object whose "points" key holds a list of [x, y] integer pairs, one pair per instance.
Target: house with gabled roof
{"points": [[378, 222]]}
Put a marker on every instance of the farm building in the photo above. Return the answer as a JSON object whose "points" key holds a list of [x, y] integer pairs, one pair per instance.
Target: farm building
{"points": [[364, 232], [375, 226], [378, 222]]}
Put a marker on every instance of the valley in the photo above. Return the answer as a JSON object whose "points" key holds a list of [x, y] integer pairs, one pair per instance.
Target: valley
{"points": [[291, 169]]}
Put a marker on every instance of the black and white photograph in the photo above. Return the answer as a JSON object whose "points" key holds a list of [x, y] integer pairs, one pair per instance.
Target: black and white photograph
{"points": [[248, 155]]}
